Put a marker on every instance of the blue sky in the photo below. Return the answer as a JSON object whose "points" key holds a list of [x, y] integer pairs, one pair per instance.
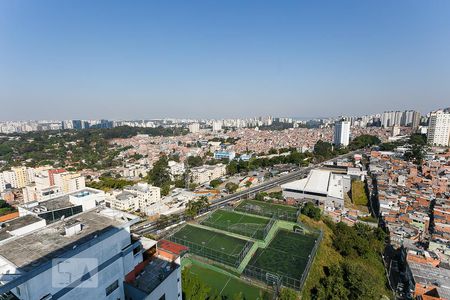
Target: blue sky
{"points": [[151, 59]]}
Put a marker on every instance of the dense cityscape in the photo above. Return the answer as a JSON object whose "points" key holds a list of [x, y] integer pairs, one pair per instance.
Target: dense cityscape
{"points": [[274, 207], [224, 150]]}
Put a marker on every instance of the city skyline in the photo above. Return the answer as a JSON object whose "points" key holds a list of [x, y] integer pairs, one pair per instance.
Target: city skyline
{"points": [[220, 60]]}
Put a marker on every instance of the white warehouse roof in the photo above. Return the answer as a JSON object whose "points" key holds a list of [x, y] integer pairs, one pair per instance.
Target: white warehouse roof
{"points": [[319, 181]]}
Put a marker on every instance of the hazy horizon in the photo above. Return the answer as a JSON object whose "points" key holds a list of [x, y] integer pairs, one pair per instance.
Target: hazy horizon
{"points": [[232, 59]]}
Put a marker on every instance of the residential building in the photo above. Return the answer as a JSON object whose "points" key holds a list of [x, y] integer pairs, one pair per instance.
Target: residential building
{"points": [[88, 256], [10, 179], [230, 155], [69, 182], [206, 173], [34, 192], [125, 201], [2, 183], [439, 128], [21, 176], [141, 196], [134, 171], [176, 168], [411, 118], [194, 127], [217, 125], [395, 130], [159, 275], [341, 133]]}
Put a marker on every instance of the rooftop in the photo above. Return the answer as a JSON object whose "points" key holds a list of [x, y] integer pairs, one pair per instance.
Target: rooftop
{"points": [[31, 250], [58, 202], [123, 196], [19, 222], [426, 274], [153, 274], [319, 181]]}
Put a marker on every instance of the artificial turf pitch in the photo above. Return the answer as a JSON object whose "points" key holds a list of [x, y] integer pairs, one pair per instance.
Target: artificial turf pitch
{"points": [[287, 254], [251, 226], [279, 211], [207, 243], [226, 285]]}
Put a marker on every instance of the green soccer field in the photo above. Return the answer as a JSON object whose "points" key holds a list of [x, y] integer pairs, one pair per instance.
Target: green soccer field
{"points": [[226, 285], [287, 254], [251, 226], [213, 245], [279, 211]]}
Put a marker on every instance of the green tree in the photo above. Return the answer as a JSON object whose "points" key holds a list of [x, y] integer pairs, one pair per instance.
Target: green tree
{"points": [[194, 207], [159, 175], [193, 287], [288, 294], [362, 141], [323, 149], [311, 211], [194, 161], [231, 187], [416, 154], [332, 286], [215, 183], [417, 139], [232, 168]]}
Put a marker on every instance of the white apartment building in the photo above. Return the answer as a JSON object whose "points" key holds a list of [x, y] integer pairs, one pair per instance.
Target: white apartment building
{"points": [[141, 196], [217, 125], [34, 192], [395, 131], [125, 201], [10, 178], [69, 182], [341, 133], [134, 171], [88, 256], [176, 169], [194, 127], [439, 128], [2, 182], [205, 174]]}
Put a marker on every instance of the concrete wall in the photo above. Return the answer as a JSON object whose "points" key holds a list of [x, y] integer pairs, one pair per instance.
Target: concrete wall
{"points": [[28, 228]]}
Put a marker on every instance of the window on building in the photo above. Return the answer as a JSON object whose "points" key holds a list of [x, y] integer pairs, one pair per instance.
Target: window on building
{"points": [[163, 297], [112, 287]]}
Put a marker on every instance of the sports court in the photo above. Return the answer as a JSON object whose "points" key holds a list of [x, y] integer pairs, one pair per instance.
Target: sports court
{"points": [[247, 225], [213, 245], [226, 285], [279, 211], [286, 255]]}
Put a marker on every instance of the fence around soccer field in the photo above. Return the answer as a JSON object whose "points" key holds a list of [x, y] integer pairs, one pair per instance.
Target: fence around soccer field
{"points": [[273, 212], [270, 278], [213, 254], [245, 229]]}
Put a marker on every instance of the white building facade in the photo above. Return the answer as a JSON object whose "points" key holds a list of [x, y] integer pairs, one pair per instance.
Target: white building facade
{"points": [[439, 128], [341, 133]]}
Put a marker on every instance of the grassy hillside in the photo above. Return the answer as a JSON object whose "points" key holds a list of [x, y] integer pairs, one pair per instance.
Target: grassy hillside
{"points": [[348, 263], [359, 196]]}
